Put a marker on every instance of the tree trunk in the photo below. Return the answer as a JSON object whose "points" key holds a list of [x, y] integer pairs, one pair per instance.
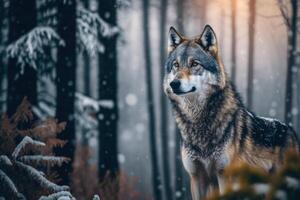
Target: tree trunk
{"points": [[66, 83], [2, 46], [156, 179], [298, 102], [251, 29], [203, 13], [222, 31], [86, 81], [233, 40], [22, 18], [86, 72], [180, 16], [87, 63], [179, 193], [291, 62], [164, 109], [107, 78]]}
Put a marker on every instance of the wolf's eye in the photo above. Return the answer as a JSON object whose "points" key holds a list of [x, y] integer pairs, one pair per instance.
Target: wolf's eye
{"points": [[194, 64], [175, 65]]}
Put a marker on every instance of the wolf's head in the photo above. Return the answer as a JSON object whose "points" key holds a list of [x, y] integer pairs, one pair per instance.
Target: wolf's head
{"points": [[193, 66]]}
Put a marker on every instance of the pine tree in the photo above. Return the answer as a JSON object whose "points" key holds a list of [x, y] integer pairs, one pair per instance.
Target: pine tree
{"points": [[87, 68], [86, 76], [66, 82], [24, 152], [179, 182], [251, 30], [3, 68], [156, 178], [203, 13], [233, 39], [108, 117], [291, 21], [22, 18], [164, 123]]}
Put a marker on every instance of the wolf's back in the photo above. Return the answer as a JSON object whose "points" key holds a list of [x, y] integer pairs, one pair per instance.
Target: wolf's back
{"points": [[270, 133]]}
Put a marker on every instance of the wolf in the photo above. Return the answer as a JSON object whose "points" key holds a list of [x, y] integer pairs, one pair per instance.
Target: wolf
{"points": [[215, 126]]}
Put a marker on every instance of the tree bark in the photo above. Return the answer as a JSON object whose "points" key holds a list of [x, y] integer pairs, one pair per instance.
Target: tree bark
{"points": [[222, 30], [87, 68], [108, 118], [291, 62], [22, 18], [233, 40], [86, 81], [164, 109], [203, 13], [156, 178], [251, 44], [179, 193], [2, 46], [298, 103], [66, 83]]}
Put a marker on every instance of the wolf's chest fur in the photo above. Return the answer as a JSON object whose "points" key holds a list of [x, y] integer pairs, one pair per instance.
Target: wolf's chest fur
{"points": [[205, 124]]}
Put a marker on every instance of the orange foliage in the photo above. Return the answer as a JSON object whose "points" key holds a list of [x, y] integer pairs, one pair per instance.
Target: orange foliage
{"points": [[12, 131]]}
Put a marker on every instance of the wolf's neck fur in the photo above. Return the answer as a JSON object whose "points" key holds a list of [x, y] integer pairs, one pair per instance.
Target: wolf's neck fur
{"points": [[207, 120]]}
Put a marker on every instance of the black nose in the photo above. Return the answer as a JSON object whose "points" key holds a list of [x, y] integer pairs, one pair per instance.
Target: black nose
{"points": [[175, 84]]}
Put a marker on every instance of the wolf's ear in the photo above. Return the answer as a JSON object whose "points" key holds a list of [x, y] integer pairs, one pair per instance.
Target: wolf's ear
{"points": [[208, 40], [174, 39]]}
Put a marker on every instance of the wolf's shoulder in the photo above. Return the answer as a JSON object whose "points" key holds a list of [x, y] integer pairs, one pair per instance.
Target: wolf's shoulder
{"points": [[270, 132]]}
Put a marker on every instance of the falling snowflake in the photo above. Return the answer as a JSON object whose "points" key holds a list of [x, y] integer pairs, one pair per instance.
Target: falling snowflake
{"points": [[121, 158], [131, 99], [295, 111]]}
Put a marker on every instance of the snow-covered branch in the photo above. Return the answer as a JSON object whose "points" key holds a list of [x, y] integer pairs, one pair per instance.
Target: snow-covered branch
{"points": [[103, 28], [123, 3], [85, 102], [30, 48], [38, 160], [96, 197], [90, 28], [6, 182], [42, 181], [64, 195], [4, 160], [21, 146]]}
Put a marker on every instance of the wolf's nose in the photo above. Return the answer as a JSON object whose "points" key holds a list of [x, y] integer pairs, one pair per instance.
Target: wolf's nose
{"points": [[175, 84]]}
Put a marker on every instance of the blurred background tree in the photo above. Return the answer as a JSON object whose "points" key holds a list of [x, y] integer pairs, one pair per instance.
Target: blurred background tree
{"points": [[21, 80]]}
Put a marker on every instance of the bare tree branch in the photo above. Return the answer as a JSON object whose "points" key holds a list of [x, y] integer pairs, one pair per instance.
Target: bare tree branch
{"points": [[284, 12]]}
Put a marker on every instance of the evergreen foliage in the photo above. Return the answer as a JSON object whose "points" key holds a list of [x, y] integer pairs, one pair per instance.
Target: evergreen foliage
{"points": [[32, 48], [26, 155], [251, 183], [90, 28]]}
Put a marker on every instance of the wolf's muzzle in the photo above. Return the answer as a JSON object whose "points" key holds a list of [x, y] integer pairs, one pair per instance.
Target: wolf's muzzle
{"points": [[175, 85]]}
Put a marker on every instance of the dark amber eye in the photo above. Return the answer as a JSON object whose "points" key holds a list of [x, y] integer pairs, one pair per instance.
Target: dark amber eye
{"points": [[195, 64], [175, 65]]}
